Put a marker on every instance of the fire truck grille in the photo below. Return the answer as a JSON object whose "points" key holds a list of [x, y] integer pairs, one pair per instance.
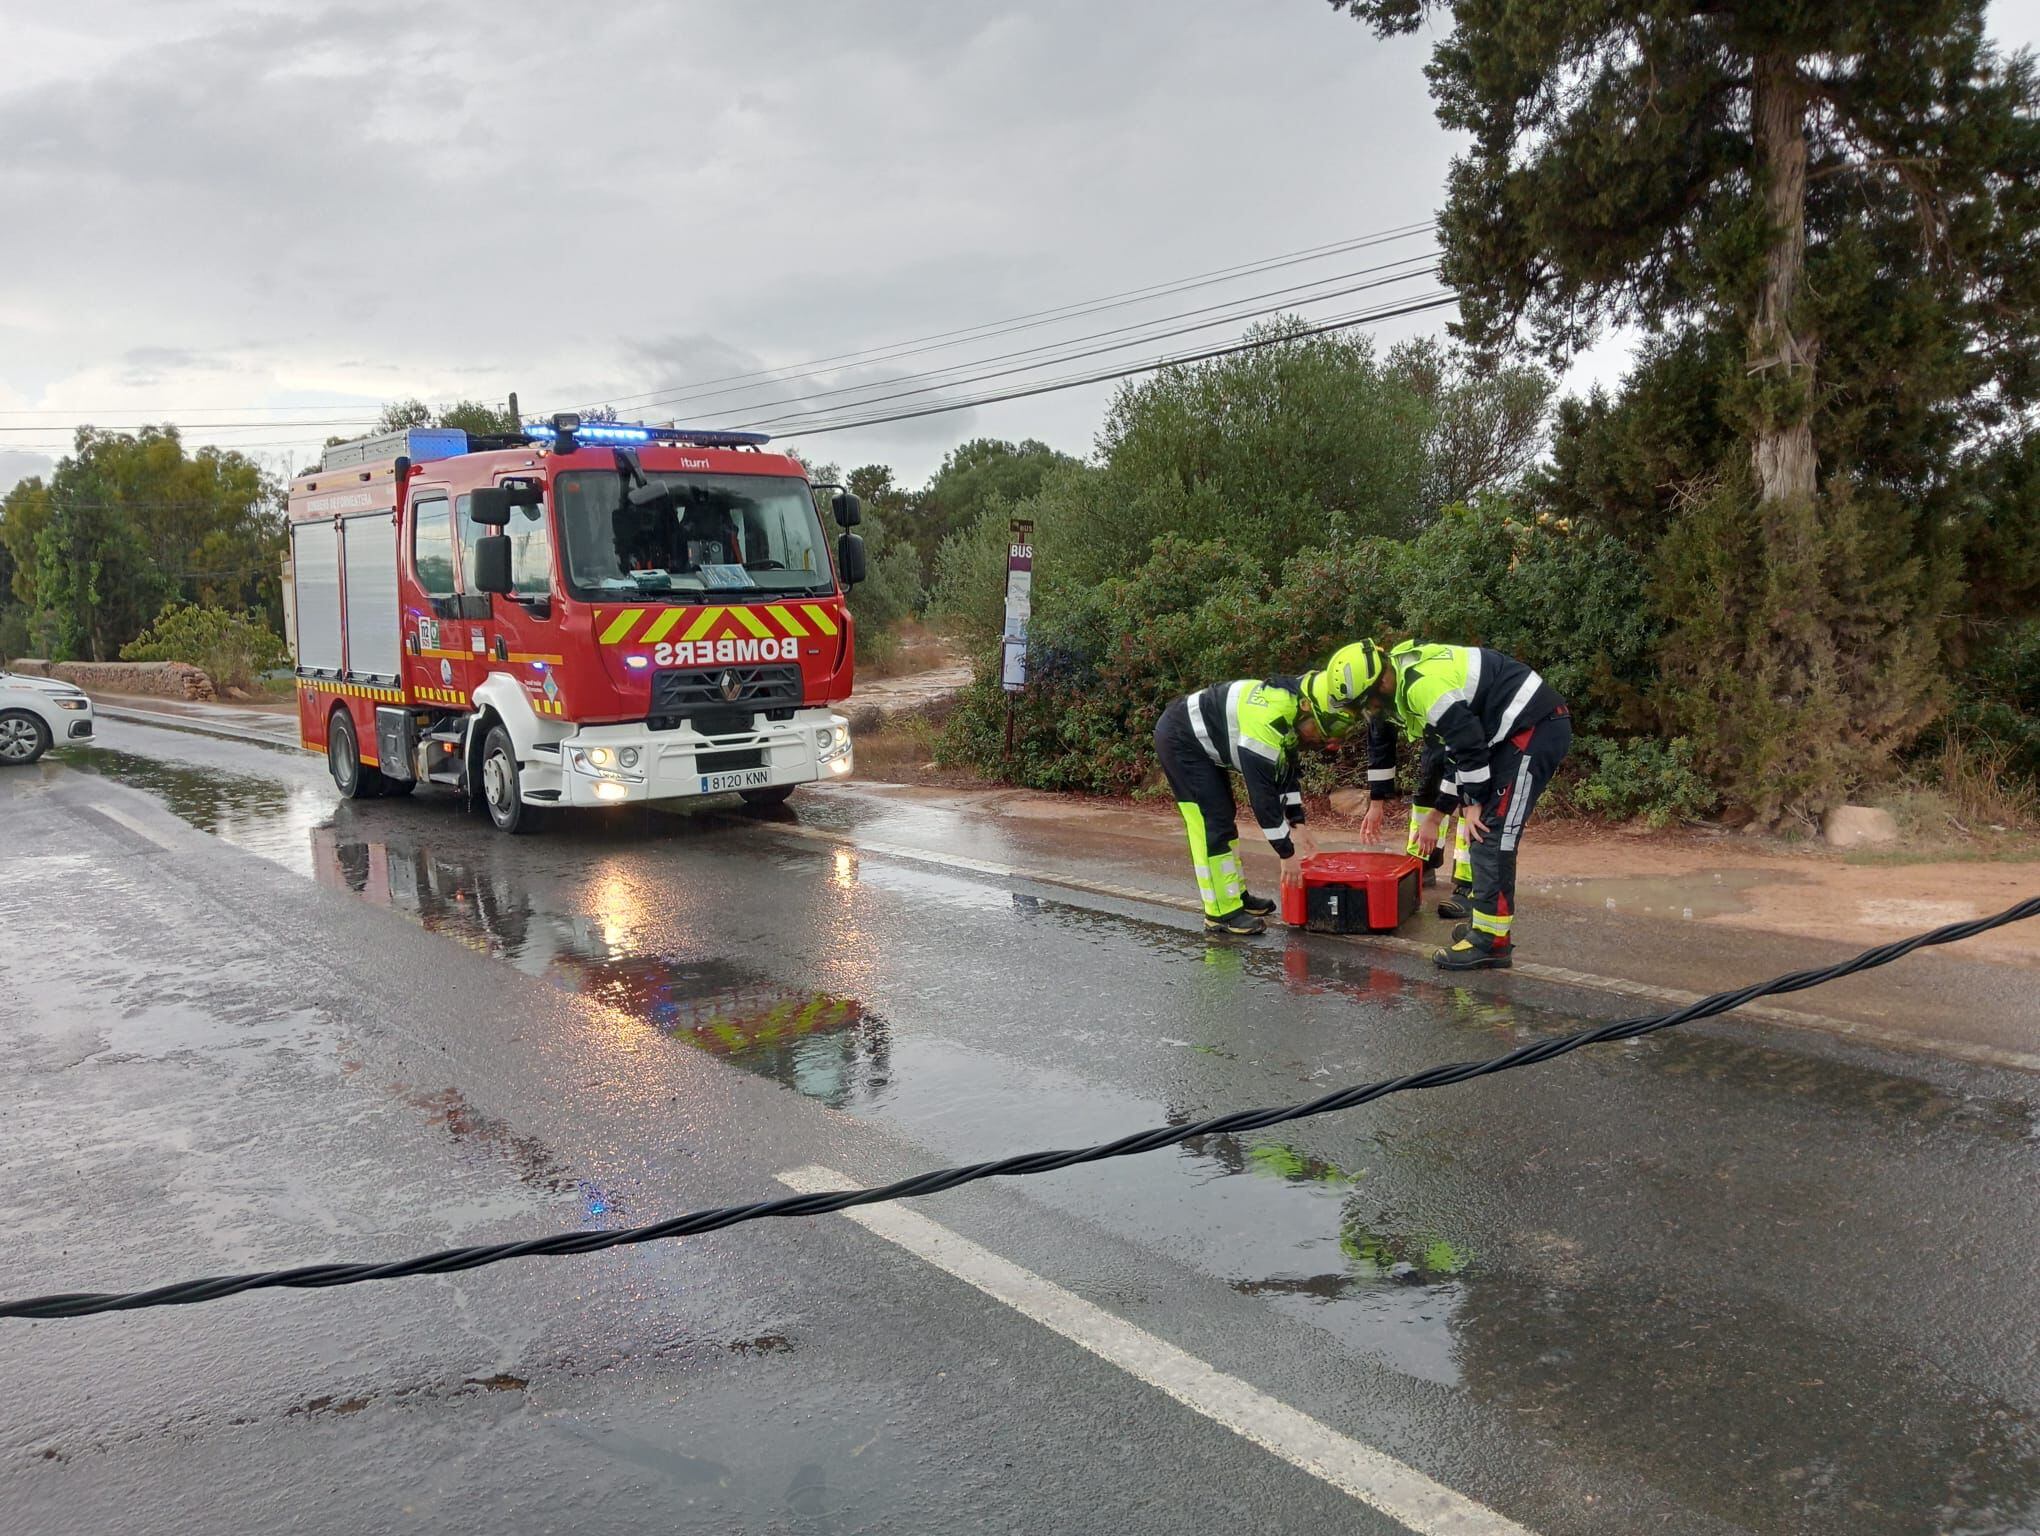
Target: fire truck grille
{"points": [[710, 690]]}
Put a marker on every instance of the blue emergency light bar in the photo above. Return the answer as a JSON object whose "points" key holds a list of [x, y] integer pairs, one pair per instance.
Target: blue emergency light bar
{"points": [[620, 433]]}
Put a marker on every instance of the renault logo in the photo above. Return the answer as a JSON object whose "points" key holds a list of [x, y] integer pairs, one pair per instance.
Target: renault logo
{"points": [[729, 686]]}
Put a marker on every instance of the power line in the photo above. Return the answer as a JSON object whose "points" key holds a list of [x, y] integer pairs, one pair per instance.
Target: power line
{"points": [[1070, 357], [1417, 265], [1074, 310], [1435, 301]]}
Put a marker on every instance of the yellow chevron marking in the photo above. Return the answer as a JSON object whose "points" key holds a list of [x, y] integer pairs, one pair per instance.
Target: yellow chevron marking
{"points": [[658, 628], [703, 624], [754, 624], [622, 625], [820, 618], [787, 621]]}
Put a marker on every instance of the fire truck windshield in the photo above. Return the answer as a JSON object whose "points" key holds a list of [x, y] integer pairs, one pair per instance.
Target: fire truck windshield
{"points": [[720, 533]]}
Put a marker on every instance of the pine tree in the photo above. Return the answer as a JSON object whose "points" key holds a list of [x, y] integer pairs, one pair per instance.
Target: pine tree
{"points": [[1825, 213]]}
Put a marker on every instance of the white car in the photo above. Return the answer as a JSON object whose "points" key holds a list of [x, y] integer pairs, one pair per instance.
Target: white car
{"points": [[36, 711]]}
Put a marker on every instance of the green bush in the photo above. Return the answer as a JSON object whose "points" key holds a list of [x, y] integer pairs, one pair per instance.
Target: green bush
{"points": [[1659, 781], [1575, 605], [230, 647], [1998, 697]]}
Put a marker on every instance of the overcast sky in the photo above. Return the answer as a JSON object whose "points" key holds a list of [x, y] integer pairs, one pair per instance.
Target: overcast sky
{"points": [[267, 212]]}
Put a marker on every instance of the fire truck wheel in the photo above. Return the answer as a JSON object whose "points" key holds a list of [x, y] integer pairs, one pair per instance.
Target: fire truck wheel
{"points": [[351, 776], [771, 794], [499, 784], [396, 789]]}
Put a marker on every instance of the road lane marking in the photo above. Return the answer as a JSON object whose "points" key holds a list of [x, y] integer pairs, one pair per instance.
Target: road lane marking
{"points": [[1827, 1024], [133, 823], [1373, 1477]]}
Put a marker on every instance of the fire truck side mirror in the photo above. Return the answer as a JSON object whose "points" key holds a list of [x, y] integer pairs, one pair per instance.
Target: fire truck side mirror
{"points": [[849, 510], [490, 506], [849, 559], [492, 561]]}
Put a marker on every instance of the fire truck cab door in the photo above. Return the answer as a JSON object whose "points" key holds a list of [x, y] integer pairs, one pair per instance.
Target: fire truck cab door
{"points": [[439, 642], [516, 633]]}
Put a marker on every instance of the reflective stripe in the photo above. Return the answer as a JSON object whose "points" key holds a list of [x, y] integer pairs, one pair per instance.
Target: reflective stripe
{"points": [[1448, 787], [657, 629], [1276, 834], [1519, 808], [1293, 797], [1517, 705], [1462, 694], [1232, 719], [621, 625], [1203, 731], [1478, 775], [787, 621], [702, 624], [1487, 922], [1380, 775], [1255, 745], [754, 624], [819, 617]]}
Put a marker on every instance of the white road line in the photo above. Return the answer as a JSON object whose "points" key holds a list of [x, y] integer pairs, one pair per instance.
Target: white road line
{"points": [[132, 823], [1827, 1024], [1373, 1477]]}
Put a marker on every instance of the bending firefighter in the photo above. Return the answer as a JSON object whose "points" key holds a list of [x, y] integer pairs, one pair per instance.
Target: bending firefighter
{"points": [[1254, 728], [1437, 796], [1504, 730]]}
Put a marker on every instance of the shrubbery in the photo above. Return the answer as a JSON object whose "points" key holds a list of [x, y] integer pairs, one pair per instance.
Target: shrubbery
{"points": [[1107, 659], [231, 647]]}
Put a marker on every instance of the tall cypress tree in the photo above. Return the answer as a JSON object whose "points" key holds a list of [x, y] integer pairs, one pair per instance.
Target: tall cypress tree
{"points": [[1825, 213]]}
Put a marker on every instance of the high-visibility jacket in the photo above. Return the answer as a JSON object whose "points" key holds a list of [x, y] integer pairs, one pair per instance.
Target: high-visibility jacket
{"points": [[1474, 698], [1250, 726]]}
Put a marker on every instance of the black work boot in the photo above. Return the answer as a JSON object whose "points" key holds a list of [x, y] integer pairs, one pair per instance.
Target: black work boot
{"points": [[1475, 952], [1458, 906], [1238, 921], [1260, 906]]}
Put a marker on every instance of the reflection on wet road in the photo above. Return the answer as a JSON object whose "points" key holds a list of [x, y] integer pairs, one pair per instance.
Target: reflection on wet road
{"points": [[1786, 1263]]}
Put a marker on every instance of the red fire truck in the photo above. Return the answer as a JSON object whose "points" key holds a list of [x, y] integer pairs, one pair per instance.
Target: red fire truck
{"points": [[581, 615]]}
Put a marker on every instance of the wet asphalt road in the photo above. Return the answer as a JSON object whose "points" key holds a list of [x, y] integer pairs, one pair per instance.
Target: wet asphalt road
{"points": [[1724, 1280]]}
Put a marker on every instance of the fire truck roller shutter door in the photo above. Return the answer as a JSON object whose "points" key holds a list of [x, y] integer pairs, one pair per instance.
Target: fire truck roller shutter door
{"points": [[374, 641]]}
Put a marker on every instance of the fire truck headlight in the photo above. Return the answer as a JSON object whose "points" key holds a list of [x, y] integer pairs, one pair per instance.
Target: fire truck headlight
{"points": [[825, 738], [607, 763]]}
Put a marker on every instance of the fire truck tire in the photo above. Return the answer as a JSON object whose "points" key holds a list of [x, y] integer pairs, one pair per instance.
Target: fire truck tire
{"points": [[351, 776], [396, 789], [499, 797], [771, 794]]}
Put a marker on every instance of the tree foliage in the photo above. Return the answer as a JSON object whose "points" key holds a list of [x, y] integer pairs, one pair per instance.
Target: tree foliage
{"points": [[1826, 215], [230, 647], [129, 521]]}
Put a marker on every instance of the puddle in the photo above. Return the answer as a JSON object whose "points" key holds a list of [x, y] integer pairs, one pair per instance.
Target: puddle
{"points": [[266, 816], [1715, 895]]}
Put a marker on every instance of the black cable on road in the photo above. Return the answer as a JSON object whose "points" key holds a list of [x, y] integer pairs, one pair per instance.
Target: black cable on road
{"points": [[320, 1276]]}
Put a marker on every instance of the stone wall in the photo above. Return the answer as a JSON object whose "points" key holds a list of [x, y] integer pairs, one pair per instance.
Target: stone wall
{"points": [[162, 679]]}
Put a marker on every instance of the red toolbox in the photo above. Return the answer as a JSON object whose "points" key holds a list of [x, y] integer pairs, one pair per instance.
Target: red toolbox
{"points": [[1355, 893]]}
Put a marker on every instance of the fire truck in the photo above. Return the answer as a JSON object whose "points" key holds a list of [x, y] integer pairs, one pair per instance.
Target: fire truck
{"points": [[575, 615]]}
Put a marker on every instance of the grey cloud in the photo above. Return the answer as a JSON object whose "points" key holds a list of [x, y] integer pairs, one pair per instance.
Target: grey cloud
{"points": [[16, 467], [401, 192]]}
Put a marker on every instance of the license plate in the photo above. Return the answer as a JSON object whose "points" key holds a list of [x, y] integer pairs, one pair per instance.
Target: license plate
{"points": [[742, 778]]}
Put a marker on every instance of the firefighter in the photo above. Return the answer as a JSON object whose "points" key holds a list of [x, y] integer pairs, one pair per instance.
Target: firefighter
{"points": [[1504, 730], [1437, 796], [1255, 727]]}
